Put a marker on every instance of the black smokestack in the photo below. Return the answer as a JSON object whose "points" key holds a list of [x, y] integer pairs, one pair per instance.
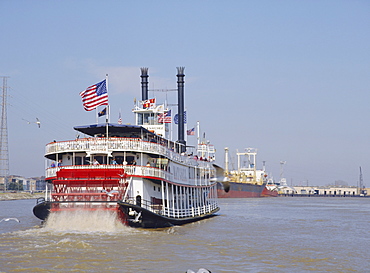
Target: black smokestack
{"points": [[144, 83], [181, 103]]}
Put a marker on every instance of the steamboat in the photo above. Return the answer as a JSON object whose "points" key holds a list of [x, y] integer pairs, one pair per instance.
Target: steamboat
{"points": [[134, 171], [245, 181]]}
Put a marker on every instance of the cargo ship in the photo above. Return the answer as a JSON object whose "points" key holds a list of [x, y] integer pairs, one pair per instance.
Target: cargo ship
{"points": [[135, 171], [245, 181]]}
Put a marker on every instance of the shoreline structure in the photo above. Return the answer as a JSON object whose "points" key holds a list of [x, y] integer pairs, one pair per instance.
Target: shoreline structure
{"points": [[5, 196], [9, 196]]}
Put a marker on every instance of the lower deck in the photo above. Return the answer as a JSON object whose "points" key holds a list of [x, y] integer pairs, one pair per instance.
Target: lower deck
{"points": [[94, 189]]}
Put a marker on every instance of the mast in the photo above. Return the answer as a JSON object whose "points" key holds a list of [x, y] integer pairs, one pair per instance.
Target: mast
{"points": [[361, 182], [226, 160], [107, 112], [108, 108], [282, 179]]}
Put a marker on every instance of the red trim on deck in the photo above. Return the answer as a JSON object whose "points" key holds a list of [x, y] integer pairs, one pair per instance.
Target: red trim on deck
{"points": [[86, 193], [91, 173], [88, 182]]}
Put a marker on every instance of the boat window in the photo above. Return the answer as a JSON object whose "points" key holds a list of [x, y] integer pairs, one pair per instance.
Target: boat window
{"points": [[78, 160], [147, 119], [140, 119], [191, 173], [130, 160], [150, 162], [119, 159], [101, 159], [162, 163]]}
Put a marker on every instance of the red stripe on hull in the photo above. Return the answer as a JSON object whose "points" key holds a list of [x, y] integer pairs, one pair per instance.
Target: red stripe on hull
{"points": [[240, 190]]}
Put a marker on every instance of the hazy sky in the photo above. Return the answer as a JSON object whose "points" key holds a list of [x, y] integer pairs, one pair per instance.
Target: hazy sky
{"points": [[290, 78]]}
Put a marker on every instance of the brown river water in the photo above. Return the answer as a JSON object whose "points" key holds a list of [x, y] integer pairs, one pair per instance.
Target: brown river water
{"points": [[283, 234]]}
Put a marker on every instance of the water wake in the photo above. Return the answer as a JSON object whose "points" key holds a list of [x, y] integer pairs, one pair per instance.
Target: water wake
{"points": [[83, 221]]}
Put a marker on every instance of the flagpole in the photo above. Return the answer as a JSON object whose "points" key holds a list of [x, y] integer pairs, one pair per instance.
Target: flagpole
{"points": [[198, 132], [107, 117], [108, 110], [108, 114], [186, 126], [171, 130]]}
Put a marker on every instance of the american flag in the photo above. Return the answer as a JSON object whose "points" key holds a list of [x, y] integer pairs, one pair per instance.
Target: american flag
{"points": [[119, 118], [165, 117], [191, 132], [95, 96]]}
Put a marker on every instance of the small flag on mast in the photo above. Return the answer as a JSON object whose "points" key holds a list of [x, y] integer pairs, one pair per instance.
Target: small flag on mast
{"points": [[119, 118], [95, 96], [191, 132], [149, 103], [102, 112]]}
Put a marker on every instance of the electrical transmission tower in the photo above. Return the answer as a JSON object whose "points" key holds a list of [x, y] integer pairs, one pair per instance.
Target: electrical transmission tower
{"points": [[361, 183], [4, 153]]}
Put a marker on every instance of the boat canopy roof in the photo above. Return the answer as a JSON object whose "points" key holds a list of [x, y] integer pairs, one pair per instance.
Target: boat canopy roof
{"points": [[114, 130]]}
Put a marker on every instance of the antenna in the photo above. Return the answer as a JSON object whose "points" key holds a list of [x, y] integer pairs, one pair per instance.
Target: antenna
{"points": [[282, 169], [282, 178], [4, 154], [361, 182]]}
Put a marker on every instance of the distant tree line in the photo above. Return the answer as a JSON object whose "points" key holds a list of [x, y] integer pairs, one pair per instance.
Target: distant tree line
{"points": [[15, 186]]}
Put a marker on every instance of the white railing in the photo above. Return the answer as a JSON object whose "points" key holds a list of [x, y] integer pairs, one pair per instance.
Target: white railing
{"points": [[189, 212], [177, 212], [104, 145], [131, 170]]}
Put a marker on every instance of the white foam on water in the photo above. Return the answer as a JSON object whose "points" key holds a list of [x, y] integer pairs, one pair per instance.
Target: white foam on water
{"points": [[84, 221]]}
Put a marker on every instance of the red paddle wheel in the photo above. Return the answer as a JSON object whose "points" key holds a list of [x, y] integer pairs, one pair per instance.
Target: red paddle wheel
{"points": [[89, 189]]}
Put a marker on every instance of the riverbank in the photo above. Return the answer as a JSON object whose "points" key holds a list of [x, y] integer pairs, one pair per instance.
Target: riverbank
{"points": [[19, 195], [321, 195]]}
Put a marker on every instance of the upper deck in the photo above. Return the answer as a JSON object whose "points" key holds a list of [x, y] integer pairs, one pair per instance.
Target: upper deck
{"points": [[107, 146]]}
